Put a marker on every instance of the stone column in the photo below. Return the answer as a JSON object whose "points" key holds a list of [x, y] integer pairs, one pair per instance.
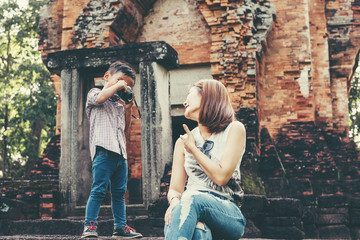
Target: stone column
{"points": [[69, 149], [156, 140]]}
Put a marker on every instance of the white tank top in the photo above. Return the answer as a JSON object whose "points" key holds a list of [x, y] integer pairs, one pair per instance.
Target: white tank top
{"points": [[199, 181]]}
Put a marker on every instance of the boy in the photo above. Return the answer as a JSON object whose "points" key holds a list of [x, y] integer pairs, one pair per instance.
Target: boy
{"points": [[109, 119]]}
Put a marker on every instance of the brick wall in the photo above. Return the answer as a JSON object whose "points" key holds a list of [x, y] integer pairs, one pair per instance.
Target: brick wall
{"points": [[181, 25], [235, 45], [39, 195], [306, 160], [343, 39], [285, 94], [289, 63], [309, 55], [134, 160]]}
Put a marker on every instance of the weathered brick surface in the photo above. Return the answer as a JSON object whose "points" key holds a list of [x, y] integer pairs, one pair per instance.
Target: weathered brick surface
{"points": [[305, 160], [287, 64], [180, 23], [344, 36], [235, 46], [307, 65], [37, 197], [320, 69], [285, 93], [133, 144]]}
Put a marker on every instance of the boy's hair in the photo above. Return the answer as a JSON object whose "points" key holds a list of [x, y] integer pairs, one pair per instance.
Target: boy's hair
{"points": [[123, 67]]}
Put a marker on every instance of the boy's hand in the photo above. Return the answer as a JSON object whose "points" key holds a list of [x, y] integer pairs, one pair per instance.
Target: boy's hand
{"points": [[121, 84], [129, 105]]}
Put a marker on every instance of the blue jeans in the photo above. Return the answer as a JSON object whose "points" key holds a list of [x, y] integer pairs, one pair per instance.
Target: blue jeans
{"points": [[108, 167], [222, 218], [199, 234]]}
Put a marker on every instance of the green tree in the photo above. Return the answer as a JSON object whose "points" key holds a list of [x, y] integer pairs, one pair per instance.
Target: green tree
{"points": [[354, 107], [27, 98]]}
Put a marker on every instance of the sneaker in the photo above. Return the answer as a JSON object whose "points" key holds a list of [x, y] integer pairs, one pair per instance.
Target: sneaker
{"points": [[126, 232], [90, 231]]}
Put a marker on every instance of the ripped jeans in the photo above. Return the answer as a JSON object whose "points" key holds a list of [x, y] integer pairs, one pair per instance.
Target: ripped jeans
{"points": [[222, 218]]}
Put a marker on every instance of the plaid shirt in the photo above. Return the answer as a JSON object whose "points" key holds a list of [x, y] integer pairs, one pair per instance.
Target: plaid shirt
{"points": [[107, 124]]}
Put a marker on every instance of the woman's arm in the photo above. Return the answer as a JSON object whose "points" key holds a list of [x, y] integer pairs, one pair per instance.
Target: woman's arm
{"points": [[178, 174], [178, 178], [220, 173]]}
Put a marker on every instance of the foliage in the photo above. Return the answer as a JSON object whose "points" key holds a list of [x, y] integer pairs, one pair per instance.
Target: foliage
{"points": [[251, 183], [354, 107], [27, 99]]}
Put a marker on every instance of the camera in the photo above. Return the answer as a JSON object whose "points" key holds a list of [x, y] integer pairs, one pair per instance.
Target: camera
{"points": [[127, 96]]}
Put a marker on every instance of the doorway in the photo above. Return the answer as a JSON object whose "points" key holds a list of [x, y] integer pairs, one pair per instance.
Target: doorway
{"points": [[177, 128]]}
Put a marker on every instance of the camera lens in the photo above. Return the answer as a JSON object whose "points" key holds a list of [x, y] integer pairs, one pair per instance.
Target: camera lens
{"points": [[127, 96]]}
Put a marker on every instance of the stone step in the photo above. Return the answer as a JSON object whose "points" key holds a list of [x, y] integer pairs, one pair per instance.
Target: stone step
{"points": [[148, 226], [71, 228], [105, 210], [69, 237], [62, 237]]}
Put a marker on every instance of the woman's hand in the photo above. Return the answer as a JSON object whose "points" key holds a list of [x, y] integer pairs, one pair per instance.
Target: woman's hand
{"points": [[173, 203], [188, 139]]}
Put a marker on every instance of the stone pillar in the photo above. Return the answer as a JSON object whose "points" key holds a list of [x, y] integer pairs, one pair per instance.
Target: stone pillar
{"points": [[69, 149], [156, 140]]}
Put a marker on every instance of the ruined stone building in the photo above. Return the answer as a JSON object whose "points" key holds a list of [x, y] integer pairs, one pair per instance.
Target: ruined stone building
{"points": [[287, 65]]}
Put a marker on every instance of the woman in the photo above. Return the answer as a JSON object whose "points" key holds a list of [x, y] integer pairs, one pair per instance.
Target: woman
{"points": [[207, 158]]}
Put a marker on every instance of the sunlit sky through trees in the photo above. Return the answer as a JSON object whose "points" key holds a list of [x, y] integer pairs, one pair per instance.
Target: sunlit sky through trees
{"points": [[21, 3]]}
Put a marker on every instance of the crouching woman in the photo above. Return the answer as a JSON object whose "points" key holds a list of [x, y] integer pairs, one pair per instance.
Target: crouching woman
{"points": [[207, 160]]}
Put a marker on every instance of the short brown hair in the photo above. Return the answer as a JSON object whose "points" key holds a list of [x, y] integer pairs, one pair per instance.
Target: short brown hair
{"points": [[124, 67], [216, 111]]}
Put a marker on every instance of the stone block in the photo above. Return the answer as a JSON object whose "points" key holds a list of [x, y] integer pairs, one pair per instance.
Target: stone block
{"points": [[331, 201], [301, 186], [344, 211], [351, 186], [355, 232], [355, 202], [355, 217], [16, 209], [288, 207], [282, 221], [251, 231], [334, 232], [275, 186], [307, 200], [159, 207], [309, 215], [331, 219], [311, 231], [253, 205], [4, 227], [283, 232]]}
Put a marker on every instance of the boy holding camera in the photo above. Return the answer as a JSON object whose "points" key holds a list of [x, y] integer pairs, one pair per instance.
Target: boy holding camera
{"points": [[109, 119]]}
